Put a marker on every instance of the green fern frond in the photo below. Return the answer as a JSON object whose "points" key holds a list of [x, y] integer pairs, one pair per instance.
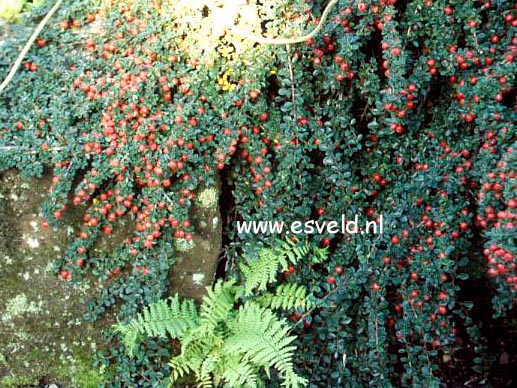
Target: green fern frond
{"points": [[197, 339], [296, 251], [259, 273], [196, 349], [262, 271], [292, 250], [209, 365], [286, 296], [217, 304], [262, 339], [180, 367], [294, 380], [319, 254], [159, 319], [240, 373]]}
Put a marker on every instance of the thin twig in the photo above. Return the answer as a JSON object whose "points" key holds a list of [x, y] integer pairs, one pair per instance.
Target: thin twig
{"points": [[291, 77], [220, 14], [308, 312], [28, 45], [27, 150]]}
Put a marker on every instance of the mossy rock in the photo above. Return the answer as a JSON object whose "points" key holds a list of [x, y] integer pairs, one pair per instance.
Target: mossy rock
{"points": [[196, 262], [43, 337]]}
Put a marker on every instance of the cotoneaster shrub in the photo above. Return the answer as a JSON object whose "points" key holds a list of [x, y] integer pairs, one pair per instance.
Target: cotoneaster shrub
{"points": [[405, 109]]}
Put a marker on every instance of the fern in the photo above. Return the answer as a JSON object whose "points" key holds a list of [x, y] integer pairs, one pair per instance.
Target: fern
{"points": [[159, 319], [217, 303], [286, 296], [225, 346], [292, 250], [319, 255], [241, 373], [263, 271], [263, 339], [192, 358]]}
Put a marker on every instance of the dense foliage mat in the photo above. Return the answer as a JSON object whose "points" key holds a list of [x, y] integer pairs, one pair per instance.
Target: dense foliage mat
{"points": [[404, 109]]}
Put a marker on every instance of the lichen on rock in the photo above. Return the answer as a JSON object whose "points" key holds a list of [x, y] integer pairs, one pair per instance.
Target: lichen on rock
{"points": [[182, 245], [208, 198], [18, 306]]}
